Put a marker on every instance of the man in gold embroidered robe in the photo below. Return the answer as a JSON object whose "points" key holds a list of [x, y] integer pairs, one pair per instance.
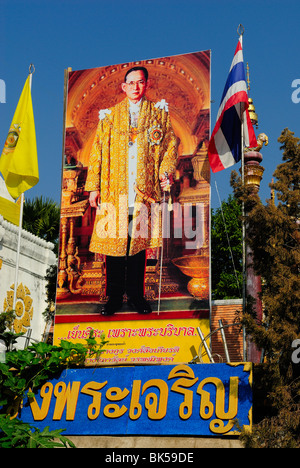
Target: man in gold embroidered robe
{"points": [[134, 145]]}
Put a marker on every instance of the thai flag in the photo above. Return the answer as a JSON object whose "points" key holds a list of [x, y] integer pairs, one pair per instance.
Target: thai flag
{"points": [[225, 145]]}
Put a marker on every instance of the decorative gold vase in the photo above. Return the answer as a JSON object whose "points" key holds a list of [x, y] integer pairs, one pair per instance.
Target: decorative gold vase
{"points": [[197, 267]]}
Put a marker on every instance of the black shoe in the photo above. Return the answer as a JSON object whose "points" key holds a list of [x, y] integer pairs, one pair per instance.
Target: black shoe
{"points": [[140, 305], [113, 305]]}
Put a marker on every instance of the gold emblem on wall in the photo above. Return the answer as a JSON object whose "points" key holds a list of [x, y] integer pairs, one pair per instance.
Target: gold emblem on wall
{"points": [[24, 308]]}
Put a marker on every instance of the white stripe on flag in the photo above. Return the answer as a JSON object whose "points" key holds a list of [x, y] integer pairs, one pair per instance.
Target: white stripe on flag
{"points": [[235, 88], [223, 149], [237, 58]]}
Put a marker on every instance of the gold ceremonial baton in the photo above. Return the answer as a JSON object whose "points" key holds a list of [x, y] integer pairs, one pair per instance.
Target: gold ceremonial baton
{"points": [[143, 195], [152, 200]]}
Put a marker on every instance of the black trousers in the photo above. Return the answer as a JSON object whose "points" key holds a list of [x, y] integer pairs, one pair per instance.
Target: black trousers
{"points": [[126, 275]]}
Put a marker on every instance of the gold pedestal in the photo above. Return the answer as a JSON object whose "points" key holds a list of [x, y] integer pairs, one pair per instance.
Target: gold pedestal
{"points": [[197, 267]]}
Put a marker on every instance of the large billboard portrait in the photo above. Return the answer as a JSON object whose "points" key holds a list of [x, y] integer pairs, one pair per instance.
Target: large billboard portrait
{"points": [[134, 258]]}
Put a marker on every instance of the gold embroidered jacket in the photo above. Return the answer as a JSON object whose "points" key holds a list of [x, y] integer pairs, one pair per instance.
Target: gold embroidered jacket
{"points": [[108, 173]]}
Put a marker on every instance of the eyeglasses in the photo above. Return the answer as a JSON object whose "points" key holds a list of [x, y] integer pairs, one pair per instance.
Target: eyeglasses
{"points": [[132, 84]]}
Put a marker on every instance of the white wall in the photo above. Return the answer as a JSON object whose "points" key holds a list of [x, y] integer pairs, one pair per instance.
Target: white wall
{"points": [[35, 257]]}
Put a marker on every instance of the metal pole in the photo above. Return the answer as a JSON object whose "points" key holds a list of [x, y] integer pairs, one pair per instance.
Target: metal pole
{"points": [[161, 253], [224, 341], [205, 345], [31, 71], [240, 31], [18, 252], [244, 254], [243, 222], [27, 338]]}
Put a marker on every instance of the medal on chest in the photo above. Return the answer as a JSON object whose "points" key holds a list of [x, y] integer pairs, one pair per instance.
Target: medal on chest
{"points": [[155, 134]]}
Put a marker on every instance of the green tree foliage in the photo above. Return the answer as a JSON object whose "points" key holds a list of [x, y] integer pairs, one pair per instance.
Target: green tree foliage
{"points": [[273, 234], [22, 374], [226, 250], [17, 434], [42, 218]]}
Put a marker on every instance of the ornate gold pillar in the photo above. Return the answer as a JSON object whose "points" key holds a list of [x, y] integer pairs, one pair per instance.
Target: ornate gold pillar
{"points": [[195, 191], [72, 206]]}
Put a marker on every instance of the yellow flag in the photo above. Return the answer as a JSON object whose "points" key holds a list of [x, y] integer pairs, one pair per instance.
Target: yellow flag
{"points": [[10, 210], [18, 161]]}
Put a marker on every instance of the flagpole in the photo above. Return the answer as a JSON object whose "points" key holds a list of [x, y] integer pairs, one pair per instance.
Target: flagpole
{"points": [[18, 252], [241, 31], [31, 71], [244, 246]]}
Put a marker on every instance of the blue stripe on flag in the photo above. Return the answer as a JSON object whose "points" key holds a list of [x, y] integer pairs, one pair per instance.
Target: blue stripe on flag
{"points": [[231, 128], [236, 74]]}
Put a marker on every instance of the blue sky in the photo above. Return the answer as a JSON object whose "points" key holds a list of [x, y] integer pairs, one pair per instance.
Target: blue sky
{"points": [[56, 34]]}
